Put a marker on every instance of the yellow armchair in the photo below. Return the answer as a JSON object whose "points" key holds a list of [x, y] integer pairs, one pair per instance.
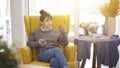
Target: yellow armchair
{"points": [[29, 55]]}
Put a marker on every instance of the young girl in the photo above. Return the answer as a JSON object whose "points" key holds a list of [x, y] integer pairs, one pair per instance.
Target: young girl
{"points": [[46, 40]]}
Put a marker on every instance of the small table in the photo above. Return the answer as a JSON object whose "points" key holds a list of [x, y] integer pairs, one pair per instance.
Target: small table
{"points": [[105, 49]]}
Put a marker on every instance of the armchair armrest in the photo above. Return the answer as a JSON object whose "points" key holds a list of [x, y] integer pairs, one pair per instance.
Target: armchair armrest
{"points": [[70, 52], [26, 54]]}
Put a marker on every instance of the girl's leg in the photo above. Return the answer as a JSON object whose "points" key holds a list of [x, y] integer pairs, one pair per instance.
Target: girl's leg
{"points": [[61, 58], [46, 55], [54, 63]]}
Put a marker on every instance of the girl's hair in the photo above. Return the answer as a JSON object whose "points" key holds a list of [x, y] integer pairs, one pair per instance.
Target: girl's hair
{"points": [[44, 15]]}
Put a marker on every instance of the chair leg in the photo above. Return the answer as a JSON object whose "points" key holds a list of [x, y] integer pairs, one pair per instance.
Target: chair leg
{"points": [[78, 64]]}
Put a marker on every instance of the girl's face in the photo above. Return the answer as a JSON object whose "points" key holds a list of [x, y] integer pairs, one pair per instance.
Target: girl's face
{"points": [[47, 22]]}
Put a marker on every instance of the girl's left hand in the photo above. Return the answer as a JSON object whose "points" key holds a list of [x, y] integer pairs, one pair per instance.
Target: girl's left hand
{"points": [[63, 28]]}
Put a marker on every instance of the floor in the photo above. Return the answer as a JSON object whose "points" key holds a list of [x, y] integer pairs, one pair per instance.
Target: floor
{"points": [[30, 66]]}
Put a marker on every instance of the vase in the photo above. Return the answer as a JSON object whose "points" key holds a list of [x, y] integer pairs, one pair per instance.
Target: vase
{"points": [[111, 26], [105, 29]]}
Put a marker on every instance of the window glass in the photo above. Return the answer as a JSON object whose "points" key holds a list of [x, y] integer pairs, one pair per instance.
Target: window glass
{"points": [[5, 20], [89, 11]]}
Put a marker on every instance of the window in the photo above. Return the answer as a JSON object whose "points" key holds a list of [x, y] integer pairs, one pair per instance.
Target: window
{"points": [[89, 11], [5, 23]]}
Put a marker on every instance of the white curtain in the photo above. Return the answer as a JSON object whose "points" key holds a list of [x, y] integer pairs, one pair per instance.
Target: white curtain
{"points": [[52, 6]]}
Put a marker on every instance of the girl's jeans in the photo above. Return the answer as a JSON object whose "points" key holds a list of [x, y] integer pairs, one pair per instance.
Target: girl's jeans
{"points": [[54, 56]]}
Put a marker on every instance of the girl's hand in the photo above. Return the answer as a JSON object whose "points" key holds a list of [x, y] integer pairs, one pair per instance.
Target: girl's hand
{"points": [[63, 28], [42, 42]]}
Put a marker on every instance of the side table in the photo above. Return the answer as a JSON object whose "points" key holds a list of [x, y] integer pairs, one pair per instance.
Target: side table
{"points": [[105, 49]]}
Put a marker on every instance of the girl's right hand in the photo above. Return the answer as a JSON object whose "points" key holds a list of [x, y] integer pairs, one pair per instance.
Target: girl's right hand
{"points": [[42, 42]]}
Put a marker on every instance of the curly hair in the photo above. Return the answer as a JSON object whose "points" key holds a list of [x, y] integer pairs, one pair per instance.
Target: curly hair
{"points": [[44, 15]]}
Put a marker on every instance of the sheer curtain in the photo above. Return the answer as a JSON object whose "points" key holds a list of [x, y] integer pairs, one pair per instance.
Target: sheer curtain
{"points": [[52, 6]]}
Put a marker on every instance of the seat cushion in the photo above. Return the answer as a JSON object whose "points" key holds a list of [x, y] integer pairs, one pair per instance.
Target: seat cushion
{"points": [[46, 64]]}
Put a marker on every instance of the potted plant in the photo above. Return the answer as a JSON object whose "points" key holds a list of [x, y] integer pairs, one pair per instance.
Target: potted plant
{"points": [[7, 59]]}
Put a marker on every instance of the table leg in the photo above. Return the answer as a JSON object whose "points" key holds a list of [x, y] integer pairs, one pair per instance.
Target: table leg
{"points": [[98, 66], [94, 56], [83, 63], [78, 64], [110, 67]]}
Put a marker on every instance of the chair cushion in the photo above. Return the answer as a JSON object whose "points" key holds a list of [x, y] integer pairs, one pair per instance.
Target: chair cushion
{"points": [[46, 64], [41, 63], [34, 54], [70, 52], [26, 58]]}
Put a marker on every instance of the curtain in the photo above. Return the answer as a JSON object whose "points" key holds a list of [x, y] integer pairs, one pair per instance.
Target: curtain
{"points": [[52, 6]]}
